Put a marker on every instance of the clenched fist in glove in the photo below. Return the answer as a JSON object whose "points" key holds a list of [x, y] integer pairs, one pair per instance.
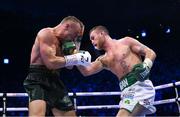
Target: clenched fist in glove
{"points": [[81, 58]]}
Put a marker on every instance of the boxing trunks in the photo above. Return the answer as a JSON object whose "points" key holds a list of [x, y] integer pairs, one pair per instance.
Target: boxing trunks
{"points": [[134, 92], [44, 84]]}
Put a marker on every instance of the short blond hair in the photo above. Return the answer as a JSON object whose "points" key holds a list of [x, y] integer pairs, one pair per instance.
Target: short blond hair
{"points": [[73, 19], [100, 28]]}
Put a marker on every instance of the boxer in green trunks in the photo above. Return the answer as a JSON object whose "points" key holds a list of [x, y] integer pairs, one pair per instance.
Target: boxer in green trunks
{"points": [[123, 57], [54, 48]]}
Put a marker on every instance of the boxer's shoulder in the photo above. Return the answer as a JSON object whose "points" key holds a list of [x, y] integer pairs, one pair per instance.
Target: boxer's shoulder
{"points": [[45, 32], [125, 41]]}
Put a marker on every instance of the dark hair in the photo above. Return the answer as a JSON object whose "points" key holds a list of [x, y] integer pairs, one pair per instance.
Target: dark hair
{"points": [[100, 28], [73, 19]]}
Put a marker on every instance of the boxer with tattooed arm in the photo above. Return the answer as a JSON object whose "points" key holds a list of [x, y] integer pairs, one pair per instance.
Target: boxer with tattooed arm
{"points": [[123, 57]]}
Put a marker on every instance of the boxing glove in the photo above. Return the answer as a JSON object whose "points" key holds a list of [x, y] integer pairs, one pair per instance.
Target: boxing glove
{"points": [[81, 58], [68, 47]]}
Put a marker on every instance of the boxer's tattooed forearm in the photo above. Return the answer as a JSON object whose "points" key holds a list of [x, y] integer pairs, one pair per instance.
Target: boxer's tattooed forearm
{"points": [[103, 64]]}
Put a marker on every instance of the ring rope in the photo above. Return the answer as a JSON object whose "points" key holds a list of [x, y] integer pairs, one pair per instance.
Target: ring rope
{"points": [[166, 101], [177, 99], [91, 93]]}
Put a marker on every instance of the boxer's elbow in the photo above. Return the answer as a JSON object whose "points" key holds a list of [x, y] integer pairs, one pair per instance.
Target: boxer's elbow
{"points": [[85, 74], [153, 54], [53, 64], [50, 66], [85, 71]]}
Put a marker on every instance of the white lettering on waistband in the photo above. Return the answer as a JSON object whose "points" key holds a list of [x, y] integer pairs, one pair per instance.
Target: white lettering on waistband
{"points": [[123, 84]]}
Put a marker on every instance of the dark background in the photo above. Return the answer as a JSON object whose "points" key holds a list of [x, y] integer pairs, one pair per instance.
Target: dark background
{"points": [[21, 20]]}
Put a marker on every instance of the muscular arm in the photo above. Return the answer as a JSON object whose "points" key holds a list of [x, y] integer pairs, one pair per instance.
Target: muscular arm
{"points": [[141, 49], [94, 68], [48, 51]]}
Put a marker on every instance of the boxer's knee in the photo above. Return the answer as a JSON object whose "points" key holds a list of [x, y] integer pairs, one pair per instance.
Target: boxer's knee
{"points": [[37, 108], [123, 113], [139, 110], [57, 112]]}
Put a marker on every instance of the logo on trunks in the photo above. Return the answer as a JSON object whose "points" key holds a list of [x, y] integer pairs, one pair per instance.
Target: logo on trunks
{"points": [[146, 102], [123, 84], [129, 96], [127, 101], [145, 72]]}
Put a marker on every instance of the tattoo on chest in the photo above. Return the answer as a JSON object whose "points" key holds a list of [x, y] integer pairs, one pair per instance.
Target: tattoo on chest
{"points": [[124, 66]]}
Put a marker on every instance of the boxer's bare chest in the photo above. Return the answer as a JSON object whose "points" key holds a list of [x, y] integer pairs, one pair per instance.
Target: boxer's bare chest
{"points": [[116, 60]]}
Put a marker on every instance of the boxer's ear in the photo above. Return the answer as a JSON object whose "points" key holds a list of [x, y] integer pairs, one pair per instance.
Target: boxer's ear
{"points": [[67, 26], [102, 33]]}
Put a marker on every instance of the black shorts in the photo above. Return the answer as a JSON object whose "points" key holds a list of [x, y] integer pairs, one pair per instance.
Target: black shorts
{"points": [[44, 84]]}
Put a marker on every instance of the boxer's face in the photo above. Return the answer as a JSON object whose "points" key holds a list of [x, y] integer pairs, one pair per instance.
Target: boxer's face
{"points": [[97, 39]]}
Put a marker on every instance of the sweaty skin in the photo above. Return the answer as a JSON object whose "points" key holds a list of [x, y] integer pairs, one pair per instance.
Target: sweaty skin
{"points": [[47, 51], [36, 57], [47, 47], [120, 57]]}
